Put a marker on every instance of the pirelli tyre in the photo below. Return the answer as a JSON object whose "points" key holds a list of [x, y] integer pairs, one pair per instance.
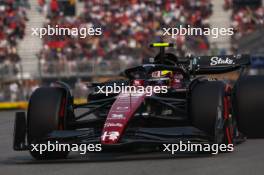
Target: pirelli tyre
{"points": [[248, 105], [209, 111], [46, 112]]}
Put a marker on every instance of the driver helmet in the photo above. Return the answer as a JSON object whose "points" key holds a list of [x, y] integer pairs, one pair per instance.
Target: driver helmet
{"points": [[163, 73]]}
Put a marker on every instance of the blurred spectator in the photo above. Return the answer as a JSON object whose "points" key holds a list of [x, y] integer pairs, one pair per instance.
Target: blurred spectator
{"points": [[13, 88], [227, 4], [12, 28], [128, 28], [245, 20], [80, 89]]}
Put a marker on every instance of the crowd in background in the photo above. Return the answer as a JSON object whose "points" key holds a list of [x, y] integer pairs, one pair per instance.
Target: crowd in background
{"points": [[128, 28], [12, 29], [21, 90], [18, 90], [246, 19]]}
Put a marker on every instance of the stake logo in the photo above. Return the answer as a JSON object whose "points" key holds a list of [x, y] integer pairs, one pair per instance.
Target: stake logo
{"points": [[218, 61]]}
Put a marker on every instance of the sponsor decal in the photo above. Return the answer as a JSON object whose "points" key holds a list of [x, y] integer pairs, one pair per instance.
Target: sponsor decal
{"points": [[117, 116], [125, 108], [112, 135], [113, 125], [138, 82], [124, 95], [216, 61], [156, 74], [136, 94]]}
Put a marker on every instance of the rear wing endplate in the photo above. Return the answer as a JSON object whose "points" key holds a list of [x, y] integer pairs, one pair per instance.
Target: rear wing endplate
{"points": [[219, 64]]}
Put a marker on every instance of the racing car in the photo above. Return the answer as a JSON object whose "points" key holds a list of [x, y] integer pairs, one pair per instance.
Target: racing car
{"points": [[194, 107]]}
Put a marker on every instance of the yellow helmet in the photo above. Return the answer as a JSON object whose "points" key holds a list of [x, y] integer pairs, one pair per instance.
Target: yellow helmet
{"points": [[166, 72]]}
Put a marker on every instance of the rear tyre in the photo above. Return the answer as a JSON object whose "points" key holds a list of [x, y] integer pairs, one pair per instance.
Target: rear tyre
{"points": [[249, 105], [208, 111], [46, 112]]}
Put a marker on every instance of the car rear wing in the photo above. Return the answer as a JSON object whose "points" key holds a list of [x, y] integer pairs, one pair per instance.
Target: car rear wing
{"points": [[219, 64]]}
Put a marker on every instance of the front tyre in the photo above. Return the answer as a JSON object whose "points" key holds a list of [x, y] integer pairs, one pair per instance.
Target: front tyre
{"points": [[46, 113]]}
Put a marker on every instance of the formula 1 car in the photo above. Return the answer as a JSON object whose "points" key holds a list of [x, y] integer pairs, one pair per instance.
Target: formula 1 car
{"points": [[191, 107]]}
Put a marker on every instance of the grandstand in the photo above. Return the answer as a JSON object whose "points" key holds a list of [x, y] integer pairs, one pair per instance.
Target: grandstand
{"points": [[247, 20], [30, 45], [220, 19], [27, 61], [13, 19], [128, 28]]}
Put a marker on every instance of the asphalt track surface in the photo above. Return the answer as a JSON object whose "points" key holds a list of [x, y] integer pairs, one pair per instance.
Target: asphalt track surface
{"points": [[247, 159]]}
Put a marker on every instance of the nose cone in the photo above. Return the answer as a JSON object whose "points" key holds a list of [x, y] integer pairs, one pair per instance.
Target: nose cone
{"points": [[119, 116]]}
